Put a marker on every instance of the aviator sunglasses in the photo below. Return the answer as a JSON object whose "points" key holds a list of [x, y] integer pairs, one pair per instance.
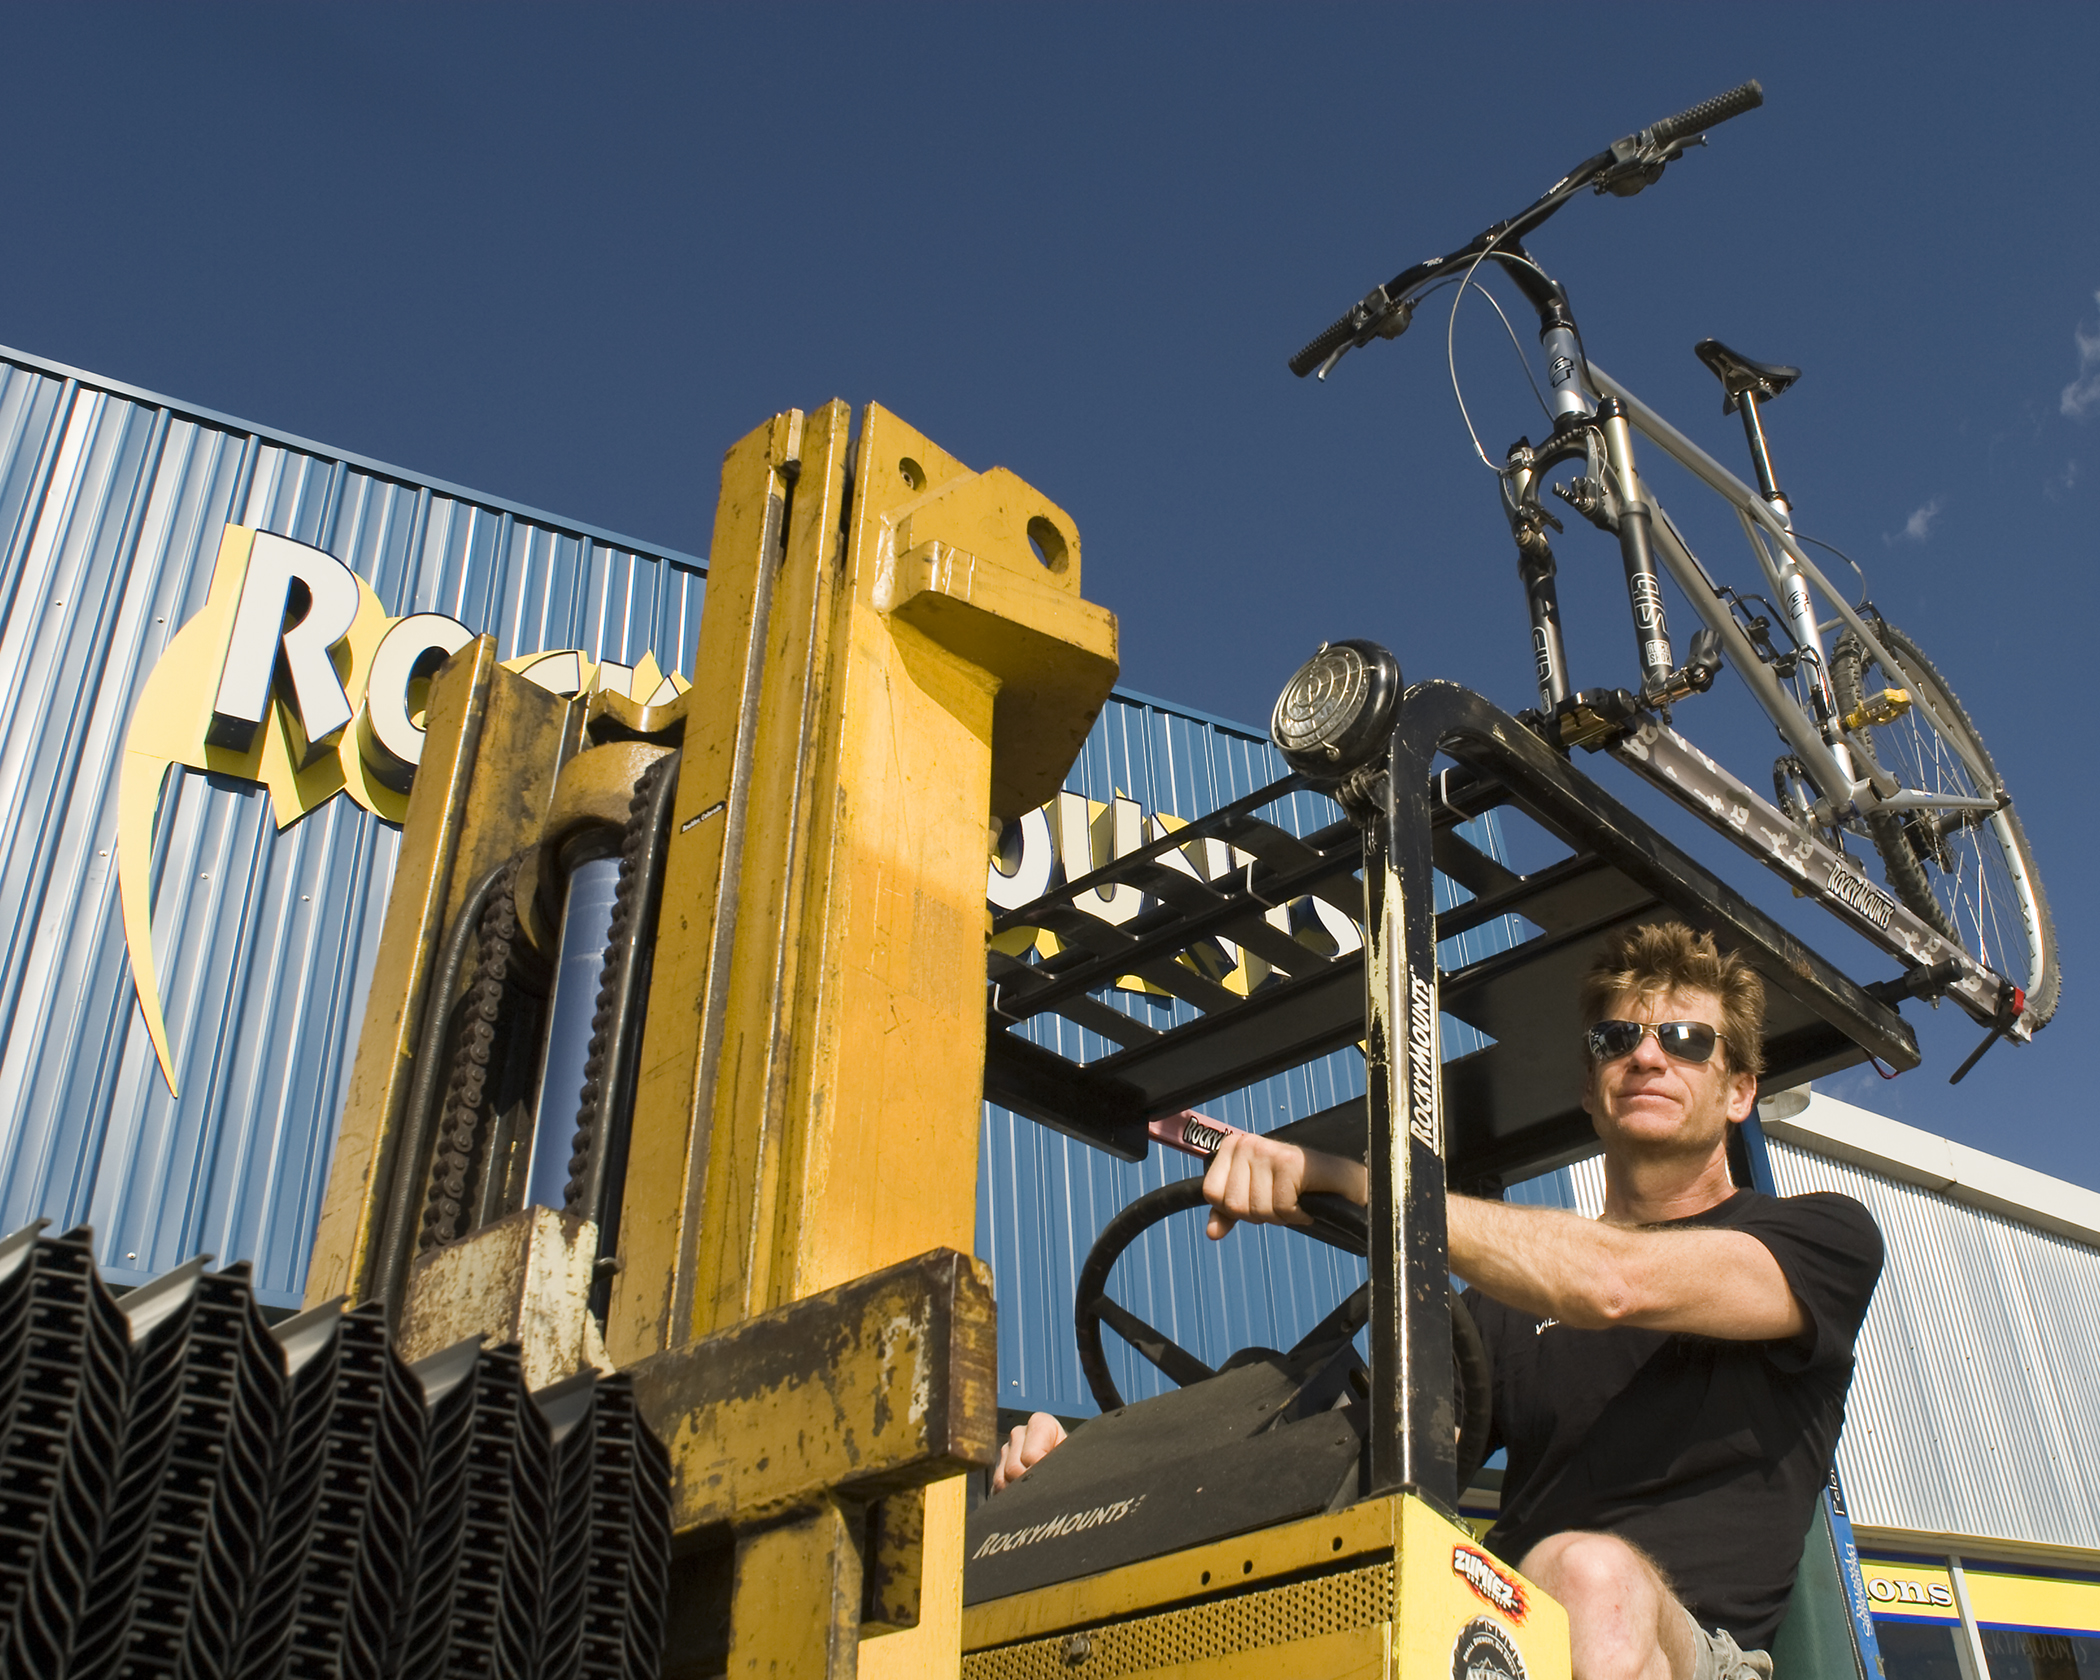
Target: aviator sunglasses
{"points": [[1681, 1041]]}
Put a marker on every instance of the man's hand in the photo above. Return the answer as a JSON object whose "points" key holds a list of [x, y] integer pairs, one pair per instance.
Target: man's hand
{"points": [[1259, 1179], [1028, 1444]]}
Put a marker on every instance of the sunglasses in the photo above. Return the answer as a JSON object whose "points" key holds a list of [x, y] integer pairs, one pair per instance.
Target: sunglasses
{"points": [[1681, 1041]]}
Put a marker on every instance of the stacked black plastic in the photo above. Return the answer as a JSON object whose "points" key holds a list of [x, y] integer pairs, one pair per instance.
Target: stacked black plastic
{"points": [[188, 1491]]}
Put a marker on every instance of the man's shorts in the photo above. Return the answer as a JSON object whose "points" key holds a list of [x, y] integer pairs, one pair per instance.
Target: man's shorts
{"points": [[1721, 1658]]}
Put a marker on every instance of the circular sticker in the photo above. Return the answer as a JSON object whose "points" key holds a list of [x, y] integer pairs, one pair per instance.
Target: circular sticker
{"points": [[1485, 1651]]}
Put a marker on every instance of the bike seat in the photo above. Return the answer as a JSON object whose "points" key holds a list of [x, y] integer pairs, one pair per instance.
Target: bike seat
{"points": [[1738, 373]]}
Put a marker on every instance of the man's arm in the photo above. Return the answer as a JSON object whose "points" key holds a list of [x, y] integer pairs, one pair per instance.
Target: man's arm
{"points": [[1540, 1260]]}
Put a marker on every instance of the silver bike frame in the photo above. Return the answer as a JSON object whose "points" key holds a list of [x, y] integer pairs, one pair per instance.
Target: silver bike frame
{"points": [[1659, 755], [1836, 780]]}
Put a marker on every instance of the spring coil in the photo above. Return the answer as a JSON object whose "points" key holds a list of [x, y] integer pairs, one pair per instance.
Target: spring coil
{"points": [[620, 950], [461, 1124]]}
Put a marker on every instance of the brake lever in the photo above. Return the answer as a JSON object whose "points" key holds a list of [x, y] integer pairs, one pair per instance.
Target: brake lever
{"points": [[1638, 162]]}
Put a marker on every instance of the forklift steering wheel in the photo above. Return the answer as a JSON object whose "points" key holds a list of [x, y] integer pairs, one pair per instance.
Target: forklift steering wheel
{"points": [[1092, 1308]]}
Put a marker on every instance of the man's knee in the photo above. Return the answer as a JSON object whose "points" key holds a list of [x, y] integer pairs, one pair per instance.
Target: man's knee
{"points": [[1588, 1566]]}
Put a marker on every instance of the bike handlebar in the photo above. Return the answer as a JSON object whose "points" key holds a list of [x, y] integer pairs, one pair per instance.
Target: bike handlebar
{"points": [[1629, 165], [1335, 336], [1709, 114]]}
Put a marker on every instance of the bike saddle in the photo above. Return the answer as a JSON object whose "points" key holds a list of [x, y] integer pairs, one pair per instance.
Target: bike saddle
{"points": [[1737, 374]]}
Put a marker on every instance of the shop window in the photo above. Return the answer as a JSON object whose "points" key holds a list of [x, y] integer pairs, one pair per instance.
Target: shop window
{"points": [[1921, 1650], [2018, 1654]]}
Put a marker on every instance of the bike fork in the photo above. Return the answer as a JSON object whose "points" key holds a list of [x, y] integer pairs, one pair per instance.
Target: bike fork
{"points": [[1651, 629], [1535, 567]]}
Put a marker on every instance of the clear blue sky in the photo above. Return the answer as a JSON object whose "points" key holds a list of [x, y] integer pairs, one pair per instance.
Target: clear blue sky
{"points": [[567, 255]]}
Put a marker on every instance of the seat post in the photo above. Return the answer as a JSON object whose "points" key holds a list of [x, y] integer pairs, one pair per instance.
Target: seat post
{"points": [[1754, 430]]}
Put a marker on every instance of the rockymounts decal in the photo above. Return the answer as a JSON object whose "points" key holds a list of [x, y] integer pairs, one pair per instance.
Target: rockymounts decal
{"points": [[1485, 1651], [1423, 1063], [1073, 1522], [1491, 1581], [1860, 894], [293, 675]]}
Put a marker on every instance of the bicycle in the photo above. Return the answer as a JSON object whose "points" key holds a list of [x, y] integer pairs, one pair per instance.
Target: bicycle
{"points": [[1876, 744]]}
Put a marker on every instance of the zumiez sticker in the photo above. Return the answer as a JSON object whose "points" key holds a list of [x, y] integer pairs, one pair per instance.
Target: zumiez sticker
{"points": [[1487, 1578], [293, 675], [1057, 1528]]}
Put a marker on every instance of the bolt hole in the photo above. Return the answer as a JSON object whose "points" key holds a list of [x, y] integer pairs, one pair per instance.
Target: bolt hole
{"points": [[1206, 1578], [1247, 1568], [1337, 1542], [914, 475], [1049, 544]]}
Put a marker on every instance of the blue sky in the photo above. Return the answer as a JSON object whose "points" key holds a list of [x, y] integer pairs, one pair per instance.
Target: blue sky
{"points": [[567, 255]]}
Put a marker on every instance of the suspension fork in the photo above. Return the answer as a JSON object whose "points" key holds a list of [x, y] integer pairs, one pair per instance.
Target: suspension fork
{"points": [[1536, 570], [1651, 629]]}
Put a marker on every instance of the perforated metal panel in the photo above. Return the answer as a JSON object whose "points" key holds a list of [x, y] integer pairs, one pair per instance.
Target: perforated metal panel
{"points": [[1259, 1621]]}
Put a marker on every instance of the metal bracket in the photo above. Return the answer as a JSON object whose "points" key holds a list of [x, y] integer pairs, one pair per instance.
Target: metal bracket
{"points": [[1659, 755]]}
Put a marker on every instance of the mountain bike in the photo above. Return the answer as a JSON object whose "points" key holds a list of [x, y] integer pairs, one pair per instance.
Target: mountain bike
{"points": [[1876, 748]]}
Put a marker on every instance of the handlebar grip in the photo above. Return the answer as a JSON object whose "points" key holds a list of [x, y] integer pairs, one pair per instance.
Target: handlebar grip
{"points": [[1714, 111], [1327, 343]]}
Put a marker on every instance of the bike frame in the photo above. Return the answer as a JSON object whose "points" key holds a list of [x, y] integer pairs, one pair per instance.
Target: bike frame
{"points": [[1592, 412], [1788, 580]]}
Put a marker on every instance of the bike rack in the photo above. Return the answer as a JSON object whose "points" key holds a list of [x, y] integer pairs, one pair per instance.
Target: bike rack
{"points": [[1509, 1110]]}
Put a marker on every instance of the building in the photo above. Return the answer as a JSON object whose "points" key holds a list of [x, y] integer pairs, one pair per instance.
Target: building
{"points": [[236, 897]]}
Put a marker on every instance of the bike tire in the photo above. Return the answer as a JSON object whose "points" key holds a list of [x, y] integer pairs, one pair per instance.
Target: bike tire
{"points": [[1977, 884]]}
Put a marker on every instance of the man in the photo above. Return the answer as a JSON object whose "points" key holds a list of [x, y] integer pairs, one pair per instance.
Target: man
{"points": [[1669, 1380]]}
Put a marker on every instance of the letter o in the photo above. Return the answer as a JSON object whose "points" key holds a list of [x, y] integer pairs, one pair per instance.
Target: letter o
{"points": [[1881, 1591], [414, 647]]}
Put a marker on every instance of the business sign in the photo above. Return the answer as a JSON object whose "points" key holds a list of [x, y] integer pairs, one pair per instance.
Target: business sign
{"points": [[1072, 835], [294, 676]]}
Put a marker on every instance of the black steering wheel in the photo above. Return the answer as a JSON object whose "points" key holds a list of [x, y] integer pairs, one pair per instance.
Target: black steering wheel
{"points": [[1092, 1308]]}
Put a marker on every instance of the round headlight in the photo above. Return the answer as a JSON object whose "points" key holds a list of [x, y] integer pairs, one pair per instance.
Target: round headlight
{"points": [[1337, 713]]}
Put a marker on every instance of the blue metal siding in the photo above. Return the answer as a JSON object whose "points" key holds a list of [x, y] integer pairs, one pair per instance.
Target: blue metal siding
{"points": [[1042, 1197], [111, 505]]}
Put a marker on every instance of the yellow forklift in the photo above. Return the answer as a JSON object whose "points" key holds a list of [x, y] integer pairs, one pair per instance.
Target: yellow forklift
{"points": [[684, 1016]]}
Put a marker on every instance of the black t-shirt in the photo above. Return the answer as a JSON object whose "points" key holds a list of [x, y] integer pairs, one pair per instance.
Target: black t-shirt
{"points": [[1706, 1454]]}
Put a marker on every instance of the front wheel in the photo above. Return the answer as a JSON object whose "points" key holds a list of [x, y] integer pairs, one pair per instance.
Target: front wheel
{"points": [[1969, 873]]}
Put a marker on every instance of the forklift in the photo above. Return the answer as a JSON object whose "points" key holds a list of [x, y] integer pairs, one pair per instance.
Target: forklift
{"points": [[669, 1092]]}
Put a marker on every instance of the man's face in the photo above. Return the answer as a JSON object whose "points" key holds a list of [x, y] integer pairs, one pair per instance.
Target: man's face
{"points": [[1653, 1104]]}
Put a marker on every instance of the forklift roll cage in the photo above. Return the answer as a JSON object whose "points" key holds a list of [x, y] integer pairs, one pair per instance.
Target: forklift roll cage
{"points": [[1503, 1112]]}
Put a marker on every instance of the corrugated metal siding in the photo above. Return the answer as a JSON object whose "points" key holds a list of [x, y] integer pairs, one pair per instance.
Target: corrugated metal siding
{"points": [[1972, 1409], [1042, 1197], [111, 505]]}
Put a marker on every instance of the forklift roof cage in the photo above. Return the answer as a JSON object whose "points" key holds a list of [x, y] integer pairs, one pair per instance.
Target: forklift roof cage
{"points": [[1503, 1112]]}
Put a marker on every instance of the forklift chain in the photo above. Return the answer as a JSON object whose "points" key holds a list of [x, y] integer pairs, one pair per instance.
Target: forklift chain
{"points": [[619, 951], [461, 1125]]}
